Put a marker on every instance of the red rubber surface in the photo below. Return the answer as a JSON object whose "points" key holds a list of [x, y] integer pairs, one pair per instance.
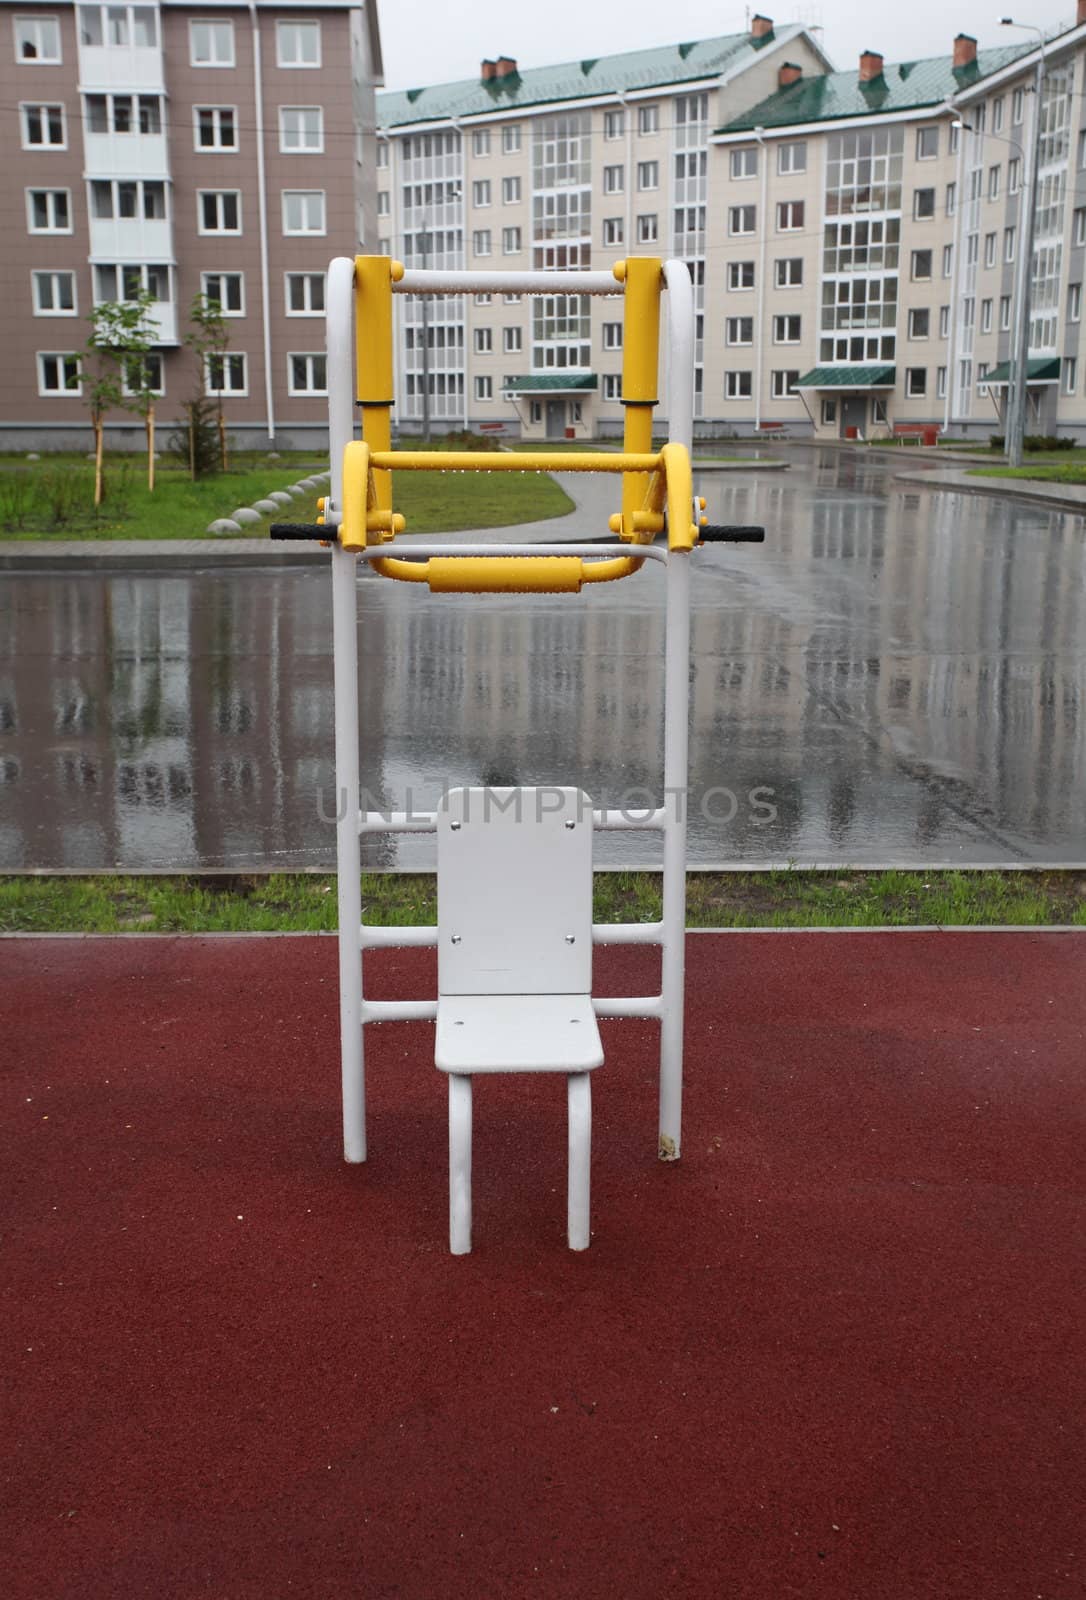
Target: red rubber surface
{"points": [[836, 1351]]}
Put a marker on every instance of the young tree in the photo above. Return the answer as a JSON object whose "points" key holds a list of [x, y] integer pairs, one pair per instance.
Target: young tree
{"points": [[140, 374], [209, 339], [120, 333]]}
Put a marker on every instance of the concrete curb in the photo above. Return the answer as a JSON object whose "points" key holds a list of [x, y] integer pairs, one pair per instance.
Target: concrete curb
{"points": [[1054, 498]]}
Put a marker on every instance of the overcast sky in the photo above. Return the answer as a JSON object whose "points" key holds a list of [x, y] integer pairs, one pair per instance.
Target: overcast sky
{"points": [[435, 41]]}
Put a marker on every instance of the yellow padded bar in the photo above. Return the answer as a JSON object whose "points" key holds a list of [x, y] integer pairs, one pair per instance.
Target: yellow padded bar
{"points": [[513, 461], [506, 574]]}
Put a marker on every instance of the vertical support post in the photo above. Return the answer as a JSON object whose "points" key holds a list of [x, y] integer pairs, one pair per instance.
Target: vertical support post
{"points": [[642, 276], [676, 729], [579, 1179], [374, 277], [459, 1163]]}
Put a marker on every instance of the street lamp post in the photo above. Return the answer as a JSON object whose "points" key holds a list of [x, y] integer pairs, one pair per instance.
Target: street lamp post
{"points": [[1017, 402]]}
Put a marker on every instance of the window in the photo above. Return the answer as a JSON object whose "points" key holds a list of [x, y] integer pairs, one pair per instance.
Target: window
{"points": [[510, 191], [829, 413], [648, 175], [948, 260], [483, 299], [745, 162], [43, 128], [614, 124], [940, 382], [119, 26], [614, 180], [737, 386], [512, 341], [128, 282], [484, 388], [49, 210], [944, 322], [989, 249], [788, 272], [480, 192], [955, 139], [969, 311], [1080, 225], [59, 374], [226, 374], [612, 386], [986, 316], [739, 330], [1074, 302], [219, 210], [786, 330], [1008, 244], [951, 199], [227, 289], [647, 228], [783, 384], [511, 299], [303, 211], [216, 127], [792, 157], [37, 40], [1070, 374], [301, 128], [1004, 313], [919, 323], [54, 294], [384, 203], [612, 336], [307, 374], [143, 374], [1016, 105], [484, 341], [921, 265], [648, 119], [511, 140], [382, 153], [511, 245], [1014, 175], [741, 219], [916, 381], [993, 183], [305, 294], [923, 204], [927, 144], [612, 230], [480, 241], [789, 216], [123, 113], [480, 142], [997, 115], [211, 44], [298, 44], [129, 199], [740, 275]]}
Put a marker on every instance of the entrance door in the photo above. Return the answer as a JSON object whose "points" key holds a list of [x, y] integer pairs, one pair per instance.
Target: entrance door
{"points": [[853, 415], [556, 419]]}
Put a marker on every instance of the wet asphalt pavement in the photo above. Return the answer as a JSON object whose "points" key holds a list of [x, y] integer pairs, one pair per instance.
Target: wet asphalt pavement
{"points": [[897, 675]]}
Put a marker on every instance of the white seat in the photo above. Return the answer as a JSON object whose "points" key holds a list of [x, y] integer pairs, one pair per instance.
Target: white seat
{"points": [[514, 886]]}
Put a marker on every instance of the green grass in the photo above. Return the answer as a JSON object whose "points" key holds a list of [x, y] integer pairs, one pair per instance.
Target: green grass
{"points": [[52, 498], [1044, 469], [305, 903]]}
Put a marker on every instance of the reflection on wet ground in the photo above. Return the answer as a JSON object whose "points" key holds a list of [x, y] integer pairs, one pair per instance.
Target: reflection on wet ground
{"points": [[894, 676]]}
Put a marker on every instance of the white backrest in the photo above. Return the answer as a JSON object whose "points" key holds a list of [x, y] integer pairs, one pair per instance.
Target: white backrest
{"points": [[514, 891]]}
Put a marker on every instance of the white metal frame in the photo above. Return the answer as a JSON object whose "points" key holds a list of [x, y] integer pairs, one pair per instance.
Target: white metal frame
{"points": [[669, 818]]}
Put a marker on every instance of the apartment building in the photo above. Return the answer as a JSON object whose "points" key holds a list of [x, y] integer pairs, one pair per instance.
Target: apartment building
{"points": [[574, 166], [182, 148]]}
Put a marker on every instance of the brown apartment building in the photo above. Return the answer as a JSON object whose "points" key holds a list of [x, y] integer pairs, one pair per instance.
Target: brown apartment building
{"points": [[183, 148]]}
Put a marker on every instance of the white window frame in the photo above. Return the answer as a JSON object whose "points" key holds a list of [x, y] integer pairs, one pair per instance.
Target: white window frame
{"points": [[286, 149], [940, 383], [215, 233], [786, 214], [990, 249], [512, 340], [511, 190], [483, 341], [1069, 374], [648, 176], [484, 388], [481, 242], [944, 322], [308, 390], [783, 280], [1010, 242], [738, 332], [785, 390], [480, 143], [43, 107], [119, 292], [738, 214], [735, 277], [38, 23], [612, 387], [226, 312], [384, 203], [922, 135], [648, 227], [614, 126], [828, 411], [212, 61], [1004, 313], [734, 388], [30, 228], [53, 274], [305, 232], [614, 179], [227, 359], [511, 139], [63, 392], [512, 241], [612, 335], [648, 120], [924, 216], [744, 163], [914, 313], [158, 388], [613, 230], [480, 193], [281, 61], [309, 309], [1074, 302], [911, 392], [986, 315], [788, 163], [216, 126], [781, 324]]}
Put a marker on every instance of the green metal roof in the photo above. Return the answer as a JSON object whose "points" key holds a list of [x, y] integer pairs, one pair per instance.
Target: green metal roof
{"points": [[1042, 369], [550, 383], [847, 378], [906, 87], [576, 80]]}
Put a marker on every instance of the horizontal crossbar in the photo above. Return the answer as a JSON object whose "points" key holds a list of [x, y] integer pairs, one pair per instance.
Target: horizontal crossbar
{"points": [[511, 461]]}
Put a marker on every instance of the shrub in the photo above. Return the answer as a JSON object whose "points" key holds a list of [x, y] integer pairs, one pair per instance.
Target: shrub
{"points": [[195, 440], [1035, 441]]}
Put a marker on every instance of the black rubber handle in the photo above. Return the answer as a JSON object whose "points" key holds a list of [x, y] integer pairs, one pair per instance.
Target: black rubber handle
{"points": [[723, 534], [302, 530]]}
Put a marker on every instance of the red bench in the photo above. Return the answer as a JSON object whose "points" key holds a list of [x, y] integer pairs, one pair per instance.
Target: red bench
{"points": [[925, 433]]}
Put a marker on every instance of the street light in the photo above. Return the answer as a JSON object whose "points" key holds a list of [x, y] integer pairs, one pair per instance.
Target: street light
{"points": [[1017, 393]]}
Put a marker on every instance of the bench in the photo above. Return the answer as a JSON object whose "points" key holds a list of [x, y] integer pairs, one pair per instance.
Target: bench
{"points": [[925, 433]]}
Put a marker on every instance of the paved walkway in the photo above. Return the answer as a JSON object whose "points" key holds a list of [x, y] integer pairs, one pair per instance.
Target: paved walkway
{"points": [[836, 1351]]}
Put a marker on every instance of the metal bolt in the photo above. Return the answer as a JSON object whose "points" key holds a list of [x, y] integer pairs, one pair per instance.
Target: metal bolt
{"points": [[455, 938], [570, 823], [455, 826], [571, 938]]}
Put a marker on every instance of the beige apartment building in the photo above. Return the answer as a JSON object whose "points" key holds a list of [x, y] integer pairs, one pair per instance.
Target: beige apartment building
{"points": [[182, 148], [854, 236]]}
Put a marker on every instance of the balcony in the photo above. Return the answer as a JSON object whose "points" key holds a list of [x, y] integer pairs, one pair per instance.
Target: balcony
{"points": [[131, 239], [126, 155], [131, 67]]}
